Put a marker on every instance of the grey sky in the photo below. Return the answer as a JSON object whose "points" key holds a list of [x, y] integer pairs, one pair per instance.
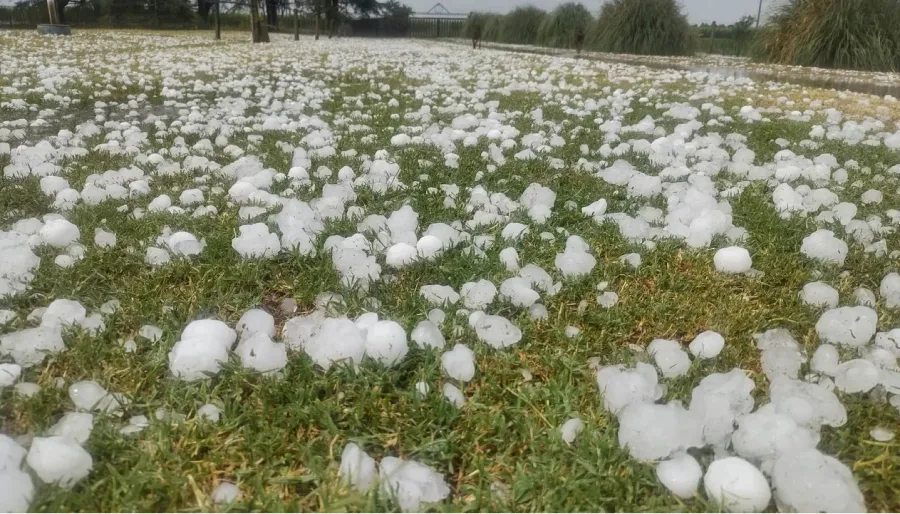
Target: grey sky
{"points": [[698, 11]]}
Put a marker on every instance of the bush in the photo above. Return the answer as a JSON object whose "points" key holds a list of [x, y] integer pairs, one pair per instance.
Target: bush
{"points": [[646, 27], [562, 25], [854, 34], [521, 25]]}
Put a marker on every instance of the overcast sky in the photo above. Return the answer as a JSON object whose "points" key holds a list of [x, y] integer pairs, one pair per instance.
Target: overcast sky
{"points": [[698, 11]]}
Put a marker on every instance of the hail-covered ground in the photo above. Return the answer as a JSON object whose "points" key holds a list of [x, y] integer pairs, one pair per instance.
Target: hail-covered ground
{"points": [[368, 274]]}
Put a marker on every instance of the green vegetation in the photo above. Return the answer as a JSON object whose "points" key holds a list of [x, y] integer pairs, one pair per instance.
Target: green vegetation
{"points": [[560, 27], [853, 34], [645, 27], [521, 25]]}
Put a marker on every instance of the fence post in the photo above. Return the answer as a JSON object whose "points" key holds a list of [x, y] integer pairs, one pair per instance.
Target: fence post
{"points": [[218, 21], [296, 24]]}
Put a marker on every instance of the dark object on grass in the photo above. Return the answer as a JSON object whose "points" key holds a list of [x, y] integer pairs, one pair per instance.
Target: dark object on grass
{"points": [[54, 30]]}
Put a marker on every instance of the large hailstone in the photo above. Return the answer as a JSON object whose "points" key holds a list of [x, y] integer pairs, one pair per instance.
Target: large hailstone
{"points": [[411, 483], [59, 460], [737, 485]]}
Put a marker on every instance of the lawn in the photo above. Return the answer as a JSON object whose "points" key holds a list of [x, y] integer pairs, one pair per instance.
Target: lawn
{"points": [[373, 168]]}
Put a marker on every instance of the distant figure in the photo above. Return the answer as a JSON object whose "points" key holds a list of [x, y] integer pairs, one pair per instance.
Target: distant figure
{"points": [[579, 40], [476, 36]]}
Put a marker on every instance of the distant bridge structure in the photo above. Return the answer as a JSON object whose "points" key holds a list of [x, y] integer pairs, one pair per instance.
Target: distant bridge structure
{"points": [[437, 22]]}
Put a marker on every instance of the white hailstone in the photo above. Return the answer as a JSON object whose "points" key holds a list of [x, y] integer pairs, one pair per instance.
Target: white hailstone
{"points": [[607, 299], [597, 208], [518, 292], [64, 312], [366, 320], [156, 256], [439, 295], [16, 487], [255, 241], [59, 460], [671, 360], [253, 321], [159, 204], [30, 346], [411, 483], [707, 345], [514, 231], [474, 317], [718, 401], [509, 257], [459, 363], [575, 262], [336, 341], [851, 326], [209, 412], [191, 197], [88, 395], [401, 254], [572, 332], [736, 485], [653, 432], [864, 296], [259, 353], [422, 388], [681, 475], [59, 233], [74, 425], [428, 247], [890, 290], [478, 295], [104, 239], [823, 246], [9, 374], [225, 493], [881, 434], [570, 430], [27, 389], [820, 294], [151, 333], [810, 405], [538, 312], [64, 261], [825, 360], [386, 342], [427, 334], [357, 468], [807, 480], [202, 349], [856, 376], [733, 260], [453, 395], [497, 331], [766, 434], [621, 387]]}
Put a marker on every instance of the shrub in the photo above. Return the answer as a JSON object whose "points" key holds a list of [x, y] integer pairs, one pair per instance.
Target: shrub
{"points": [[560, 27], [521, 25], [646, 27], [854, 34]]}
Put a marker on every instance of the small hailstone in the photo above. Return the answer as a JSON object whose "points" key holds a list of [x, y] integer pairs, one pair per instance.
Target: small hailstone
{"points": [[822, 245], [819, 294], [9, 373], [671, 360], [478, 295], [509, 257], [151, 333], [570, 430], [253, 321], [607, 299], [259, 353], [88, 395], [864, 296], [27, 389], [707, 345], [427, 334], [633, 260], [411, 483], [59, 460], [572, 332], [737, 485], [459, 363], [856, 376], [104, 239], [497, 331], [386, 342], [538, 312], [437, 316], [881, 434], [732, 260], [681, 475], [423, 388], [209, 412], [225, 492], [357, 468], [453, 395], [135, 424], [825, 360]]}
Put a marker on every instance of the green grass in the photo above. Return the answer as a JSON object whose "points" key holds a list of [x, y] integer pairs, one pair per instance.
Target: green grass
{"points": [[644, 27], [280, 439]]}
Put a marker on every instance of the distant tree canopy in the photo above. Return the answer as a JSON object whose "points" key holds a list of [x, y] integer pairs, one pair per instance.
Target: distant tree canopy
{"points": [[192, 12]]}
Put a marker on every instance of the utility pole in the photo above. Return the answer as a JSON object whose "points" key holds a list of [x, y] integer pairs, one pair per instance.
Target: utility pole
{"points": [[296, 24], [759, 13], [218, 21], [54, 14]]}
